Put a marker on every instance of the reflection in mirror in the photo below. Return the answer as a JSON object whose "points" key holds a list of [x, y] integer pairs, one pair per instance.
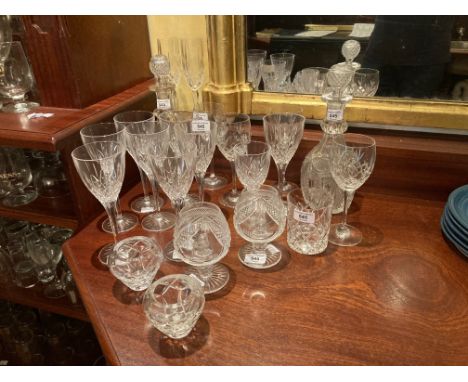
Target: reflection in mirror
{"points": [[398, 56]]}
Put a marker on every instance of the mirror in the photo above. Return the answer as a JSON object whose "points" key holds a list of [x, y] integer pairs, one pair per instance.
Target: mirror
{"points": [[418, 57]]}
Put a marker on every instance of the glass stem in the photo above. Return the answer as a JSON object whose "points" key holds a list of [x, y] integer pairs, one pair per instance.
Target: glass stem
{"points": [[200, 178], [212, 171], [178, 205], [205, 272], [345, 209], [234, 179], [196, 96], [111, 209], [144, 183], [155, 191], [281, 175]]}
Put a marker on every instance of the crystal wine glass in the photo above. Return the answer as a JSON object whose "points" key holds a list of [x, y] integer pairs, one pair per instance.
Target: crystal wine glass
{"points": [[17, 172], [174, 167], [255, 59], [289, 58], [366, 82], [272, 74], [194, 70], [252, 161], [203, 134], [260, 218], [215, 113], [235, 130], [145, 139], [102, 173], [145, 203], [109, 132], [16, 79], [283, 132], [352, 162], [202, 238]]}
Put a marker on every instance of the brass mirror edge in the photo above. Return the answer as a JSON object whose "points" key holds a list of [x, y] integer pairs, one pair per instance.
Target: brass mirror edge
{"points": [[227, 46]]}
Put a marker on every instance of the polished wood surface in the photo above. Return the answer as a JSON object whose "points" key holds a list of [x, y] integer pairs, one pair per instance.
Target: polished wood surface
{"points": [[34, 298], [398, 298], [54, 211], [79, 60]]}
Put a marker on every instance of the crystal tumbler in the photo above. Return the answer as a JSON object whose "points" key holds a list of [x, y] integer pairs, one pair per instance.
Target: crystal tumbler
{"points": [[135, 261], [309, 221], [174, 303]]}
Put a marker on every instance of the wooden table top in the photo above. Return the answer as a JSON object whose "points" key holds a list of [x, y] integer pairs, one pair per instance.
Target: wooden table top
{"points": [[400, 297]]}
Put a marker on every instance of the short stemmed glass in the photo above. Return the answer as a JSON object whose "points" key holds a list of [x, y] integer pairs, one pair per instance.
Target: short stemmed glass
{"points": [[216, 113], [202, 238], [283, 132], [235, 130], [110, 132], [194, 70], [145, 203], [102, 172], [17, 173], [252, 161], [273, 74], [352, 163], [144, 140], [16, 79], [175, 169], [260, 218]]}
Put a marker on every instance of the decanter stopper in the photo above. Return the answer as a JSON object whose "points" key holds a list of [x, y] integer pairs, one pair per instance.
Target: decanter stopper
{"points": [[159, 65], [350, 50]]}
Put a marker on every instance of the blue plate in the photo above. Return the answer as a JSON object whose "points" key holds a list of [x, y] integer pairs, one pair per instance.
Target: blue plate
{"points": [[455, 228], [458, 205], [453, 240]]}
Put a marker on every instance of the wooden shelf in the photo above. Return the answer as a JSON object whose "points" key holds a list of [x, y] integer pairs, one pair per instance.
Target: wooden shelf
{"points": [[54, 211], [35, 298]]}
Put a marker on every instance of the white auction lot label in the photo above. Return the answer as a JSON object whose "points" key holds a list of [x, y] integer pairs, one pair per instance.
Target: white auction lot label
{"points": [[335, 115], [255, 259], [199, 126], [304, 216], [163, 104]]}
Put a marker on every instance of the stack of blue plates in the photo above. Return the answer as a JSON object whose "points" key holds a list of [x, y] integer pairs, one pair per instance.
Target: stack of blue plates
{"points": [[454, 220]]}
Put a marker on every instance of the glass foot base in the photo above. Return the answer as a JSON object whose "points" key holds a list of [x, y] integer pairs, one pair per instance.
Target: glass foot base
{"points": [[20, 107], [15, 200], [286, 187], [54, 290], [144, 205], [229, 199], [105, 252], [216, 281], [214, 182], [159, 221], [125, 221], [170, 253], [260, 258], [344, 235]]}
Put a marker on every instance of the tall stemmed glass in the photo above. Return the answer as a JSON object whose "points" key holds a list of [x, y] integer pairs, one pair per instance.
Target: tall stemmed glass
{"points": [[108, 131], [144, 140], [101, 166], [16, 79], [174, 167], [145, 203], [215, 113], [289, 58], [203, 134], [252, 161], [235, 130], [255, 59], [283, 132], [194, 70], [352, 163]]}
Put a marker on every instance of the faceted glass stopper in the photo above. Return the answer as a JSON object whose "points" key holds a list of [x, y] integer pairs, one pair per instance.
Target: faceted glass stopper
{"points": [[159, 65], [350, 50]]}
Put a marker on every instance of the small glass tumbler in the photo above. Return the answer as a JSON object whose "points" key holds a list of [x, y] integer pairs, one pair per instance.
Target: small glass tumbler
{"points": [[135, 261], [309, 223], [174, 303]]}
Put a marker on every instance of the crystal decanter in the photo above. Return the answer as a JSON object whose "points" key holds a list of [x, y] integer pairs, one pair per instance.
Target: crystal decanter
{"points": [[316, 166], [164, 83]]}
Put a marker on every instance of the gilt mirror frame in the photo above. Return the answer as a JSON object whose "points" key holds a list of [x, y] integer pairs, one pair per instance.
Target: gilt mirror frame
{"points": [[227, 46]]}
